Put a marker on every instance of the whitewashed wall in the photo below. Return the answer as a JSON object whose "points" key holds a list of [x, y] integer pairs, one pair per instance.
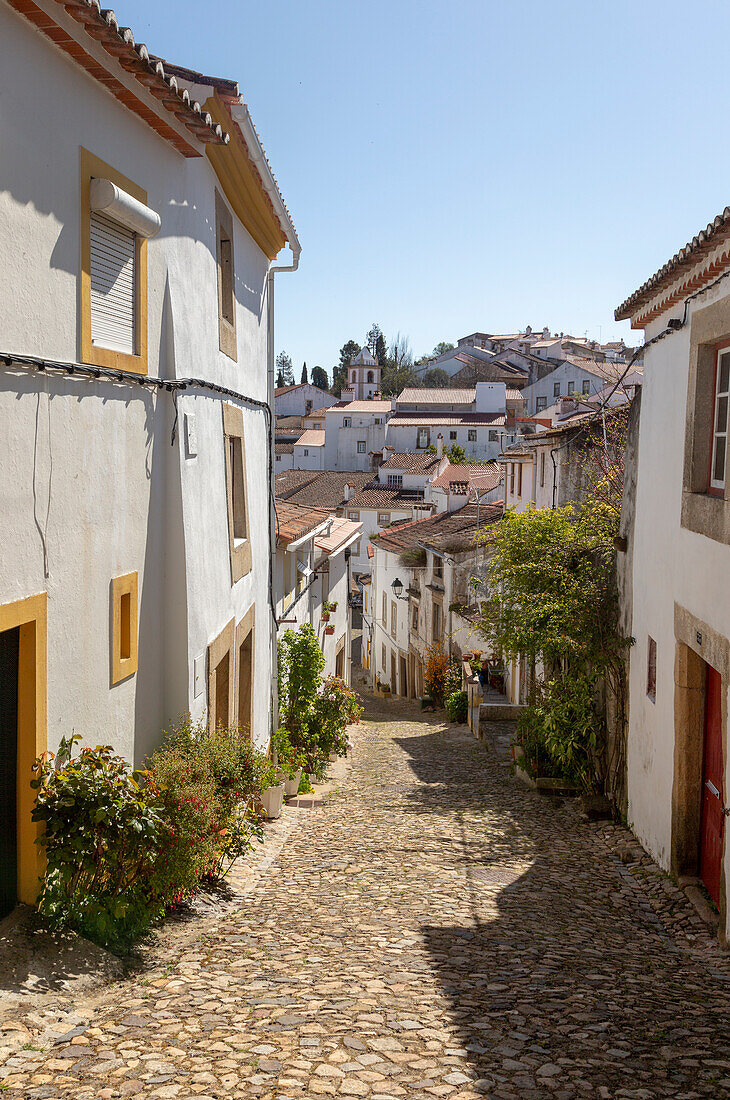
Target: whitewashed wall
{"points": [[97, 457]]}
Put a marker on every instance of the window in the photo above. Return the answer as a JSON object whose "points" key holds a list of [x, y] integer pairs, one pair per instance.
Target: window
{"points": [[556, 389], [424, 437], [436, 622], [378, 420], [236, 491], [493, 437], [370, 376], [571, 387], [353, 515], [324, 578], [347, 422], [438, 568], [113, 267], [353, 375], [540, 404], [452, 435], [542, 469], [586, 386], [651, 670], [512, 478], [472, 436], [245, 636], [385, 613], [393, 618], [414, 617], [303, 575], [384, 655], [361, 446], [395, 481], [356, 548], [519, 479], [306, 453], [220, 679], [124, 627], [226, 278], [720, 422], [307, 408], [383, 519], [278, 458]]}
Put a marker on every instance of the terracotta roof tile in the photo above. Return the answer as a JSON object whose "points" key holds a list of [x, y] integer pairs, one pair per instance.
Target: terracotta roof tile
{"points": [[436, 396], [341, 531], [447, 531], [320, 488], [313, 437], [293, 521], [413, 463], [436, 420]]}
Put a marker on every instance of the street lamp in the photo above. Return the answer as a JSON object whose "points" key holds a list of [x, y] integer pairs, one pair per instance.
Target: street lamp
{"points": [[397, 587]]}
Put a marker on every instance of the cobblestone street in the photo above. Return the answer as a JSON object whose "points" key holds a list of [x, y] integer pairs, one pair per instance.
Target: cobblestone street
{"points": [[435, 930]]}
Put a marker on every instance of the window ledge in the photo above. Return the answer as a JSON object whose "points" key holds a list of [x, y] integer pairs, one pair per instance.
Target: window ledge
{"points": [[706, 514]]}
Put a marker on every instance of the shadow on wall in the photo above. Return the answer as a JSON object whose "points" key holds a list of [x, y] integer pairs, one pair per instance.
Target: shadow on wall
{"points": [[162, 675]]}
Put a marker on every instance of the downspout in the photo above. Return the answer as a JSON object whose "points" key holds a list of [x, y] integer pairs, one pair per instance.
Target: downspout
{"points": [[296, 252]]}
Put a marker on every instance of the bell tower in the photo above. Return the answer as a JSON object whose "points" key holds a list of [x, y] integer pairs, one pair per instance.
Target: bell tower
{"points": [[363, 378]]}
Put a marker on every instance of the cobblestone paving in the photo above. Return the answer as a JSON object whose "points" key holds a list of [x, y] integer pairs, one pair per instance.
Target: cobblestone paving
{"points": [[434, 930]]}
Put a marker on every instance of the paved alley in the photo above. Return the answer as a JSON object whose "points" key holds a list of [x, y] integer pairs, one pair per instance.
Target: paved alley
{"points": [[435, 930]]}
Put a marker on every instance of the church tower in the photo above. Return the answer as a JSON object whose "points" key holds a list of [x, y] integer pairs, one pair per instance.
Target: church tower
{"points": [[363, 378]]}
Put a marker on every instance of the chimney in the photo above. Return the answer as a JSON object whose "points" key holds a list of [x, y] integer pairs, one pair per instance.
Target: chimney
{"points": [[439, 446], [349, 491]]}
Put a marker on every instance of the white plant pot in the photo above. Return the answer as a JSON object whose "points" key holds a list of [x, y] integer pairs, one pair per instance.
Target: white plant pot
{"points": [[291, 786], [272, 799]]}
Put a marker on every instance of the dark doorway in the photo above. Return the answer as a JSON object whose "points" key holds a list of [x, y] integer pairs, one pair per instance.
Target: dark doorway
{"points": [[403, 678], [222, 688], [712, 818], [9, 651], [245, 683]]}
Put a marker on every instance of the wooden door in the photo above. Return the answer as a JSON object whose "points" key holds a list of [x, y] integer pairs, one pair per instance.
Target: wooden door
{"points": [[712, 819], [403, 678], [222, 688], [9, 651], [393, 675], [245, 684]]}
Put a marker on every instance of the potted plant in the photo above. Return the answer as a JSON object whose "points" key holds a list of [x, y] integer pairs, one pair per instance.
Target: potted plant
{"points": [[325, 616], [385, 688], [329, 630], [290, 760], [272, 790]]}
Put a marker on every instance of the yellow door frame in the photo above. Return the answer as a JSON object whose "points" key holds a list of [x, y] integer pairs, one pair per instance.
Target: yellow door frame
{"points": [[30, 616]]}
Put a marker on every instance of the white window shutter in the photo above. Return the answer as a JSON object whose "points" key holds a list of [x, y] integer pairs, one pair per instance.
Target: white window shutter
{"points": [[112, 285]]}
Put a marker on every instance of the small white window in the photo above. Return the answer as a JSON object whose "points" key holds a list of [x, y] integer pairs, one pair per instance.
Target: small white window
{"points": [[383, 519], [424, 437], [361, 446], [472, 435], [452, 435], [493, 436], [571, 387], [347, 422], [306, 452], [395, 481], [586, 386], [720, 422]]}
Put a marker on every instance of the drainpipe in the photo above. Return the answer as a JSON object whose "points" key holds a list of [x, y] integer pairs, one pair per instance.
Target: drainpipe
{"points": [[296, 252]]}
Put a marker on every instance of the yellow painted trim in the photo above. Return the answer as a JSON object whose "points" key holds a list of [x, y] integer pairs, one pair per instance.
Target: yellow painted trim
{"points": [[240, 550], [92, 166], [122, 667], [242, 184], [246, 627], [217, 650], [31, 616]]}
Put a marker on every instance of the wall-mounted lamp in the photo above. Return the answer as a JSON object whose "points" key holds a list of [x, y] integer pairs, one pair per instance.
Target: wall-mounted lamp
{"points": [[397, 587]]}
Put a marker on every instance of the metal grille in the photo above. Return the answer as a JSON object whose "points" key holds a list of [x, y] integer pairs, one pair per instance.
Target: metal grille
{"points": [[112, 285]]}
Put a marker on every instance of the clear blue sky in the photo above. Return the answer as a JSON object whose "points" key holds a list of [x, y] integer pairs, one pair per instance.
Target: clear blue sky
{"points": [[470, 165]]}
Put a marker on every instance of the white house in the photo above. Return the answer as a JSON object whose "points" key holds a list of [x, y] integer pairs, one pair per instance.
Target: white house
{"points": [[312, 579], [580, 377], [677, 563], [475, 418], [140, 220], [308, 451], [300, 400], [355, 434]]}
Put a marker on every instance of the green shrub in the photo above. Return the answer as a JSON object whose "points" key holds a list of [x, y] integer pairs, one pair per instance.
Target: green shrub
{"points": [[103, 830], [457, 706], [289, 758], [334, 709]]}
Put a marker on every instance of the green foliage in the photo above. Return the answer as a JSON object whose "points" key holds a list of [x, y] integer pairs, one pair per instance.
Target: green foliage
{"points": [[123, 845], [305, 377], [335, 708], [452, 678], [457, 706], [285, 368], [437, 378], [300, 663], [436, 670], [319, 378], [103, 828], [348, 351], [455, 454], [557, 604], [441, 347], [288, 757]]}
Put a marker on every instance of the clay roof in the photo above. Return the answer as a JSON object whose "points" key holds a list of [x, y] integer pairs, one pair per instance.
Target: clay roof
{"points": [[608, 370], [375, 495], [447, 531], [313, 437], [412, 463], [341, 532], [714, 233], [482, 478], [122, 52], [293, 521], [436, 419], [284, 448], [318, 488], [436, 396], [300, 385], [373, 406], [515, 395]]}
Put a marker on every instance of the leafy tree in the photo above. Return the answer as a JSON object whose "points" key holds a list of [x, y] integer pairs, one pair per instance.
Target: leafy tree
{"points": [[279, 380], [300, 663], [381, 350], [437, 378], [286, 368], [374, 334], [455, 454], [319, 378], [396, 379], [441, 347], [305, 378], [348, 351]]}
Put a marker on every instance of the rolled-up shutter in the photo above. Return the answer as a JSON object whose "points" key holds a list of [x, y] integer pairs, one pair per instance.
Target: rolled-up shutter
{"points": [[112, 285]]}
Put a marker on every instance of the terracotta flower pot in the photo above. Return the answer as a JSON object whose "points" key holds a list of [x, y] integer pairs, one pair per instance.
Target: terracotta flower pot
{"points": [[329, 630], [325, 616]]}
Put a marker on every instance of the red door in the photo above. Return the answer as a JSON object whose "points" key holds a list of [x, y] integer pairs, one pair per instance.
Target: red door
{"points": [[713, 819]]}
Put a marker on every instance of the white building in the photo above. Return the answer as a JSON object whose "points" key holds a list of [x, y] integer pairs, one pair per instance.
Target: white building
{"points": [[139, 220], [363, 378], [301, 400], [581, 377], [355, 434], [312, 579], [475, 418], [677, 564]]}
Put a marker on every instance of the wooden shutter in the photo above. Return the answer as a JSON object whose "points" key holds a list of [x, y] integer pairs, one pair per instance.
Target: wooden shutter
{"points": [[112, 285]]}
